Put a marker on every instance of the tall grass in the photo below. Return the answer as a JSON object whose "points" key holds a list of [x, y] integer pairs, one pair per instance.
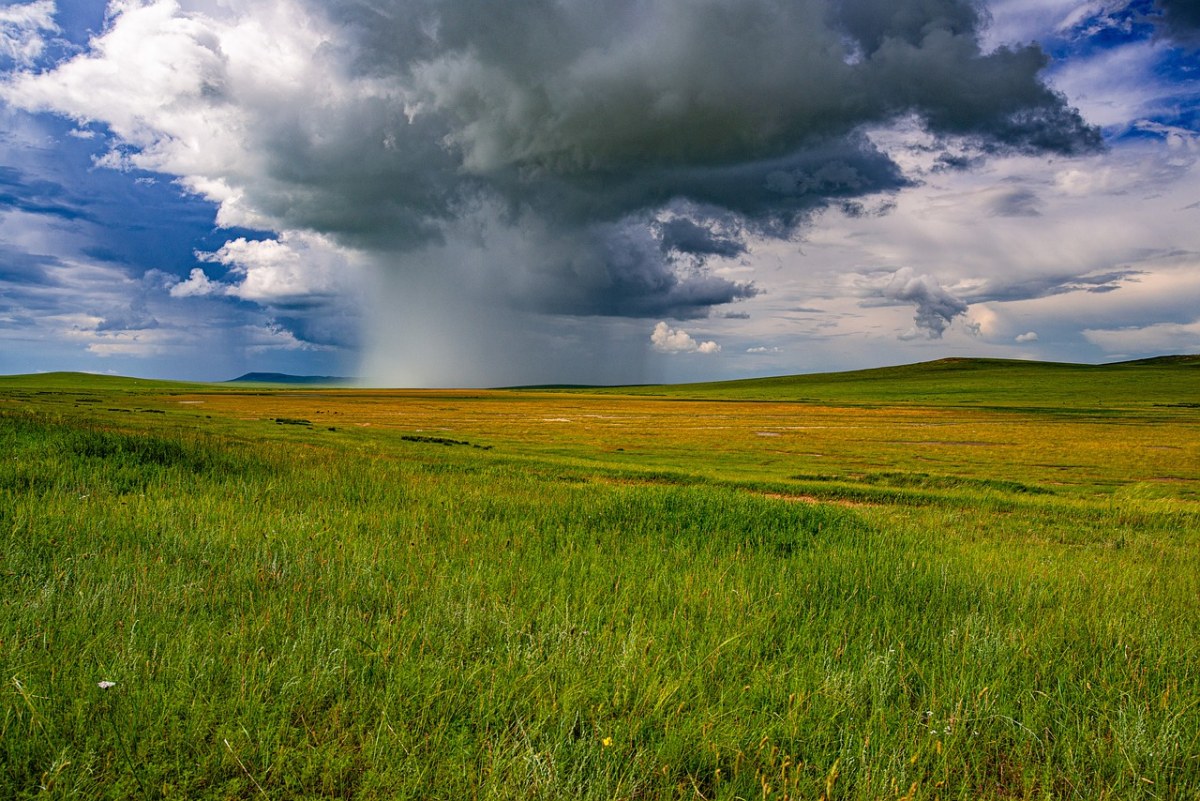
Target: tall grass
{"points": [[291, 616]]}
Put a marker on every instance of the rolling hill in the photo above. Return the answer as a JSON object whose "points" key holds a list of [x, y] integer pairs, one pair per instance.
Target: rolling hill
{"points": [[1167, 380]]}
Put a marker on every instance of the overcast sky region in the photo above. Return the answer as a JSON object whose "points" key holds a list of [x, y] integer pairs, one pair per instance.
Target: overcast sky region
{"points": [[475, 193]]}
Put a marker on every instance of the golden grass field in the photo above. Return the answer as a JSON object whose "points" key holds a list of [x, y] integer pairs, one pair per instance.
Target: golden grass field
{"points": [[1078, 455]]}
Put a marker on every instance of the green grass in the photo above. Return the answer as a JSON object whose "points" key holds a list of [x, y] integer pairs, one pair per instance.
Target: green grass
{"points": [[982, 382], [89, 382], [364, 606]]}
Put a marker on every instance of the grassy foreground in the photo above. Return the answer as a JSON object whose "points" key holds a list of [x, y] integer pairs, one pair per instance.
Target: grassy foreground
{"points": [[369, 594]]}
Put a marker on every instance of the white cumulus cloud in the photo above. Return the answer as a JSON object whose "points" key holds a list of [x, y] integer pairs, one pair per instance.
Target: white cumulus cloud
{"points": [[205, 97], [197, 285], [675, 340], [295, 267]]}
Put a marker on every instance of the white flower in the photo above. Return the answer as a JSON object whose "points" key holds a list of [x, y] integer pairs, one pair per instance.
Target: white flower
{"points": [[104, 685]]}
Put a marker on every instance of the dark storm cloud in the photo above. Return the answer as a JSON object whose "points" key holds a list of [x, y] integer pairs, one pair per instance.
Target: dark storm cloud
{"points": [[1180, 20], [1042, 286], [320, 331], [619, 269], [581, 89], [873, 22], [947, 161], [598, 120], [595, 117], [681, 235]]}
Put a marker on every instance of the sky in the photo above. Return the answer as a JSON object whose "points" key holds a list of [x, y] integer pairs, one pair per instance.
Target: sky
{"points": [[472, 193]]}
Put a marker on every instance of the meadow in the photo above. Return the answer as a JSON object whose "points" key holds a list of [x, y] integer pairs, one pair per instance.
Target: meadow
{"points": [[959, 580]]}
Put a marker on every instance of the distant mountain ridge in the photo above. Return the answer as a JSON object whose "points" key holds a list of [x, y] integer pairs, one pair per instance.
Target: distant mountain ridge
{"points": [[1171, 379], [285, 378]]}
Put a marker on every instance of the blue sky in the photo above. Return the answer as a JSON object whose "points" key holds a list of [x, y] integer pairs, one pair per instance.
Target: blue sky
{"points": [[463, 193]]}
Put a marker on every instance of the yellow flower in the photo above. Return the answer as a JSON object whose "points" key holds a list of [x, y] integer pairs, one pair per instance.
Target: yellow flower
{"points": [[606, 742]]}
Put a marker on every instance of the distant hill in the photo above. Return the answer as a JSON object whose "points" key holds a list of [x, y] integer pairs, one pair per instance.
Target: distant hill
{"points": [[70, 381], [1167, 361], [284, 378], [1164, 381]]}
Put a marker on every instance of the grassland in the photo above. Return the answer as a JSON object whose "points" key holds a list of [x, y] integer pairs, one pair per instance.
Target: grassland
{"points": [[957, 580]]}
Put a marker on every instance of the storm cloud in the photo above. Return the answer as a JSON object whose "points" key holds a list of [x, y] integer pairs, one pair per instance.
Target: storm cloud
{"points": [[1181, 20], [555, 157], [587, 113], [682, 235], [936, 307]]}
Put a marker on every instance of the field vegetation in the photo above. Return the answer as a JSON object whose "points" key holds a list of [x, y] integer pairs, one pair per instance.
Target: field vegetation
{"points": [[960, 580]]}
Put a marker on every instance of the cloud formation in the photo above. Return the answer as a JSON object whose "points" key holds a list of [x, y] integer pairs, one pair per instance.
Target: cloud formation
{"points": [[376, 123], [295, 270], [1155, 338], [675, 340], [22, 28], [936, 306], [553, 158], [681, 235], [1181, 20]]}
